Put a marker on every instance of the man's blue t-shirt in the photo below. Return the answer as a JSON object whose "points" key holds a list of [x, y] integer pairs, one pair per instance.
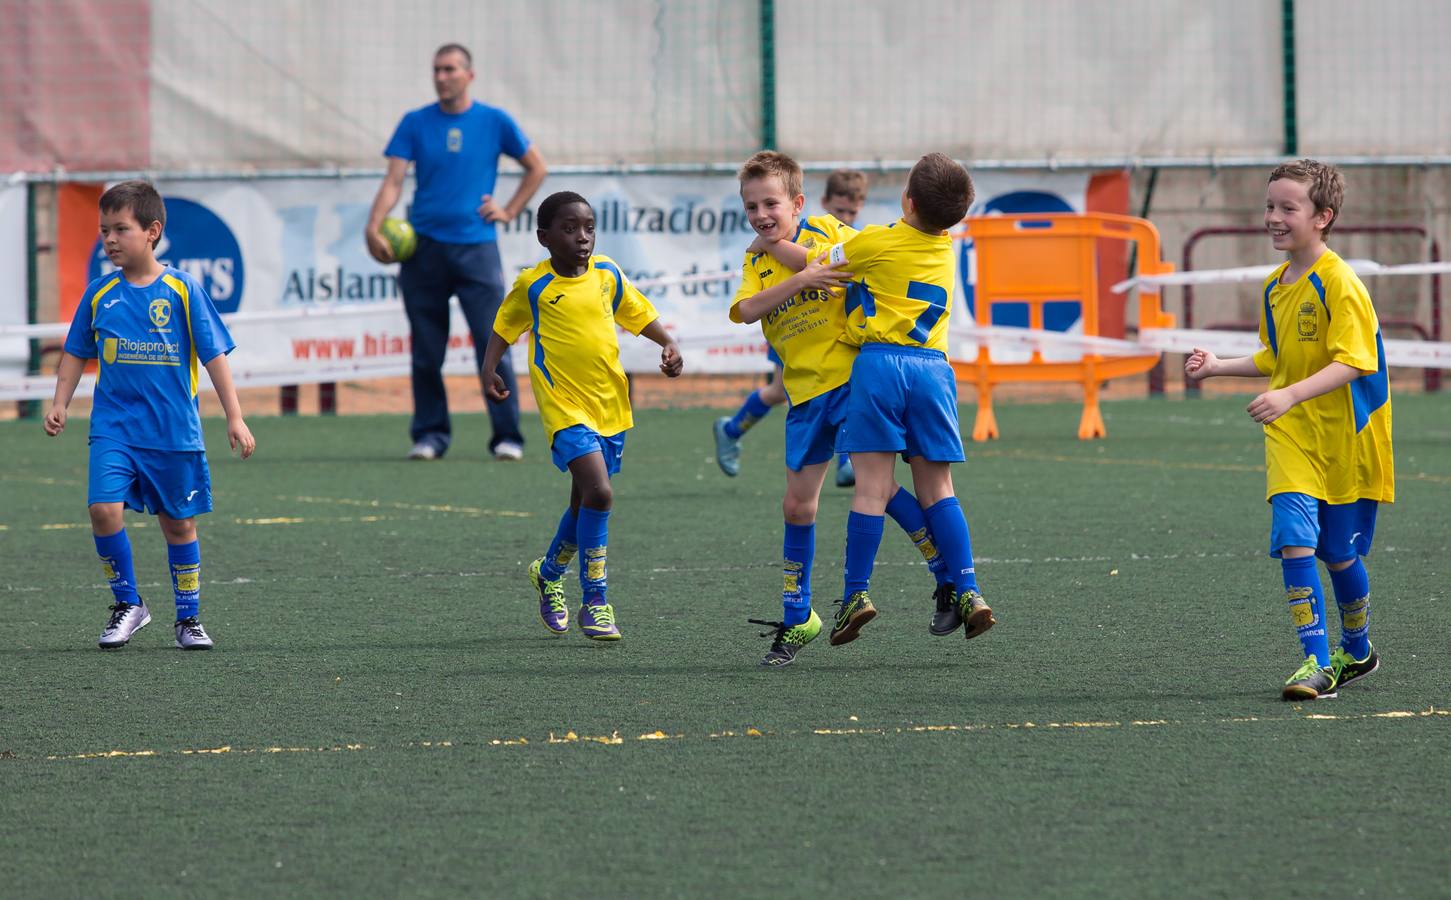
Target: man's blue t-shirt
{"points": [[149, 341], [455, 159]]}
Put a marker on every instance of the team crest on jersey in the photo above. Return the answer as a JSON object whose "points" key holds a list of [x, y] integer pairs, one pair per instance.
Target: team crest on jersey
{"points": [[455, 140], [108, 351], [160, 311], [1309, 321]]}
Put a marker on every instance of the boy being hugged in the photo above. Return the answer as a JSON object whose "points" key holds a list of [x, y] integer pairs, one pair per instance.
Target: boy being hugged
{"points": [[149, 325], [904, 394], [802, 314], [570, 305], [1327, 423]]}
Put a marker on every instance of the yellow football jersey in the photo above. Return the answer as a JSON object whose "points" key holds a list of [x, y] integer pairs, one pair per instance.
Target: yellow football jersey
{"points": [[806, 329], [902, 286], [1336, 447], [574, 354]]}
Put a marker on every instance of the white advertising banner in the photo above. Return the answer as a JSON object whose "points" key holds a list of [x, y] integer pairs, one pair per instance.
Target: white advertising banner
{"points": [[285, 261], [14, 280]]}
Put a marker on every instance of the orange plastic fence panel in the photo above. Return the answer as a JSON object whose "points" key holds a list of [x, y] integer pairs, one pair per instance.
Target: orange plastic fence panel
{"points": [[1033, 259]]}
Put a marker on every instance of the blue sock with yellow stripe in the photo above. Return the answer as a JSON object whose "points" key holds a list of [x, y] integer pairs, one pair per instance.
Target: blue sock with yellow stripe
{"points": [[1307, 605], [562, 548], [798, 548], [907, 512], [593, 539], [115, 553], [752, 411], [1352, 595], [186, 577]]}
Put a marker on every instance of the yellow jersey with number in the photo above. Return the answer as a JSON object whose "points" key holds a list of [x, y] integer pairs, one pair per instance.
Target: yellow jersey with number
{"points": [[806, 328], [902, 286], [574, 354], [1335, 447]]}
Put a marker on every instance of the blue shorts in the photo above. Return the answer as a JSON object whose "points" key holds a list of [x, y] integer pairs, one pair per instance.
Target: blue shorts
{"points": [[903, 399], [176, 482], [1339, 532], [579, 440], [773, 356], [812, 426]]}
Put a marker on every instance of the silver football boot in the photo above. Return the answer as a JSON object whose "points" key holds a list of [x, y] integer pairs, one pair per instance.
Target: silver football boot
{"points": [[125, 621], [190, 635]]}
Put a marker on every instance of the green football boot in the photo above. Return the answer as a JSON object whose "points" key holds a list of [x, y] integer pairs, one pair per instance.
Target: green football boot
{"points": [[788, 640], [1310, 682], [977, 616], [552, 609], [855, 611], [1348, 669]]}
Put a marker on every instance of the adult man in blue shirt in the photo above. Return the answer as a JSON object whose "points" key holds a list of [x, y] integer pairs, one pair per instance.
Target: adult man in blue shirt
{"points": [[455, 146]]}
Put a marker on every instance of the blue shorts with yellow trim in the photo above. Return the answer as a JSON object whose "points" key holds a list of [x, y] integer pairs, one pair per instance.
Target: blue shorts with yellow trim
{"points": [[175, 482], [903, 399], [1339, 532], [812, 427], [575, 441]]}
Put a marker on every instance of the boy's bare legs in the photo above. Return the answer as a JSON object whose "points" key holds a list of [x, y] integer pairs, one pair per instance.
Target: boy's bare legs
{"points": [[596, 498], [129, 612], [799, 624]]}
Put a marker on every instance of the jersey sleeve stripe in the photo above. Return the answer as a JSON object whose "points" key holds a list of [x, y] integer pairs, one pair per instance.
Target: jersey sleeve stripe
{"points": [[1270, 320], [535, 290], [1320, 289], [619, 282]]}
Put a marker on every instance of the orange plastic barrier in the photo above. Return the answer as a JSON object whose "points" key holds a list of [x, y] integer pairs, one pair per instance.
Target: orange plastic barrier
{"points": [[1034, 259]]}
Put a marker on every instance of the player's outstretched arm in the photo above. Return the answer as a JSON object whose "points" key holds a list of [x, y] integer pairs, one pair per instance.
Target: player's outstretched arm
{"points": [[818, 274], [67, 376], [1202, 364], [489, 369], [1270, 405], [671, 362], [789, 254], [239, 436]]}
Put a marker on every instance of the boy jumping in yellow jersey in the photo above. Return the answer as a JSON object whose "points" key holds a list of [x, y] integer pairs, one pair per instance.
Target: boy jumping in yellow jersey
{"points": [[802, 316], [570, 304], [1327, 419], [903, 391]]}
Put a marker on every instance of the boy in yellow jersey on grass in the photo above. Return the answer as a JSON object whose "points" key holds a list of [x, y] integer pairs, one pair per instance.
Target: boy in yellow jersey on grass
{"points": [[903, 391], [570, 304], [802, 316], [1327, 422], [149, 325], [845, 193]]}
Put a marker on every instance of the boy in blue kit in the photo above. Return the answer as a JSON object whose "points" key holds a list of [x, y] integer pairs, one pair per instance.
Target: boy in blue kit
{"points": [[802, 315], [903, 392], [1327, 423], [845, 193], [149, 325], [570, 304]]}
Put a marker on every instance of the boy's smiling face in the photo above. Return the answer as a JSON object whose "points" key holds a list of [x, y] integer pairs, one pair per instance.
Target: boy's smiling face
{"points": [[1291, 217], [570, 239], [770, 209]]}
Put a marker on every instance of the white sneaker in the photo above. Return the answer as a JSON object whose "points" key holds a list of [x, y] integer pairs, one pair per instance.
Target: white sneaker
{"points": [[508, 450], [190, 635], [423, 450], [125, 621]]}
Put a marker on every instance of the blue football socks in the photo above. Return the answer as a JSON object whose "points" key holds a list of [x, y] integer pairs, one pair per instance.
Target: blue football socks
{"points": [[907, 512], [751, 412], [949, 527], [562, 548], [1352, 595], [593, 540], [863, 537], [797, 550], [115, 553], [1307, 605], [186, 577]]}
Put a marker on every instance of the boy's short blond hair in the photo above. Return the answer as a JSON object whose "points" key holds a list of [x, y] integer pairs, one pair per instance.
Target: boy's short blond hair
{"points": [[769, 163], [940, 189], [851, 183], [1322, 181]]}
